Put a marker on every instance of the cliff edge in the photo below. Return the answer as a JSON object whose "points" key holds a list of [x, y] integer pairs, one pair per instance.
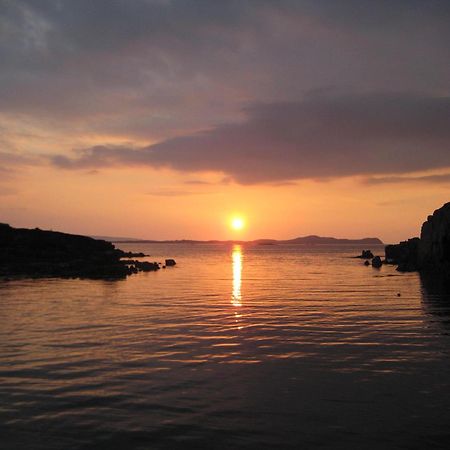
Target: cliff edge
{"points": [[434, 247], [38, 253], [431, 252]]}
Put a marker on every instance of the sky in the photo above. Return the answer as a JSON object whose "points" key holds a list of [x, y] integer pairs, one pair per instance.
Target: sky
{"points": [[164, 119]]}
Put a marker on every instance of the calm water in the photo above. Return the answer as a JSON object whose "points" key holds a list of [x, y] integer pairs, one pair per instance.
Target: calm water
{"points": [[235, 347]]}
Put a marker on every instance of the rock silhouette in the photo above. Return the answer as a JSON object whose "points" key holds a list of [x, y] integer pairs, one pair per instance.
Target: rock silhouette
{"points": [[145, 266], [434, 246], [365, 254], [376, 262], [133, 255], [431, 252], [37, 253], [404, 255]]}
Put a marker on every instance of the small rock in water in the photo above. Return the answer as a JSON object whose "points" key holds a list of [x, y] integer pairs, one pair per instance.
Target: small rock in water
{"points": [[366, 254], [133, 255], [376, 262], [170, 262], [146, 266], [366, 263]]}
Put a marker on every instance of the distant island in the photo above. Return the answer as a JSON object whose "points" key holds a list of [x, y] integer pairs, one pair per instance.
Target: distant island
{"points": [[305, 240]]}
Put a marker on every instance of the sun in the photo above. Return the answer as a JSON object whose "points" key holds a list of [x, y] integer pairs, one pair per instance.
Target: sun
{"points": [[237, 223]]}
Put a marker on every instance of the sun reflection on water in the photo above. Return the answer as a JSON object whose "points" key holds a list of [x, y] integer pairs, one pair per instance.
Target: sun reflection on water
{"points": [[236, 297]]}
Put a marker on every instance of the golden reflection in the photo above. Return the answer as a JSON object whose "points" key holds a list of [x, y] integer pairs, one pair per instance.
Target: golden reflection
{"points": [[236, 298]]}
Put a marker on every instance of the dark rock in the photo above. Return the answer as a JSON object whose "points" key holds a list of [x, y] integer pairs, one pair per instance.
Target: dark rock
{"points": [[376, 262], [434, 247], [42, 254], [38, 253], [366, 263], [132, 254], [436, 287], [430, 253], [408, 266], [404, 255], [366, 254], [146, 266], [129, 262]]}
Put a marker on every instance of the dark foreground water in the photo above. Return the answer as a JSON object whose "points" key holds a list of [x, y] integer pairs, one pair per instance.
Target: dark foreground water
{"points": [[236, 347]]}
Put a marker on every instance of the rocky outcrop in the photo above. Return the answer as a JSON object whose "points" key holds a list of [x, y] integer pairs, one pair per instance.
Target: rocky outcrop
{"points": [[376, 262], [429, 254], [146, 266], [365, 254], [434, 248], [133, 255], [404, 255], [37, 253]]}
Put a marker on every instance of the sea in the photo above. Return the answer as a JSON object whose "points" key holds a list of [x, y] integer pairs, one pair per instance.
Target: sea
{"points": [[236, 347]]}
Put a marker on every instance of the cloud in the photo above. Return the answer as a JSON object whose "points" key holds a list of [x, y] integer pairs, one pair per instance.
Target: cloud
{"points": [[8, 160], [5, 191], [159, 69], [324, 135], [175, 193], [222, 181], [432, 179], [198, 182]]}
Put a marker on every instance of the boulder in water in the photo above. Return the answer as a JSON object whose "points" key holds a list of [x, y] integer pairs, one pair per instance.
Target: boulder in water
{"points": [[366, 254], [376, 262]]}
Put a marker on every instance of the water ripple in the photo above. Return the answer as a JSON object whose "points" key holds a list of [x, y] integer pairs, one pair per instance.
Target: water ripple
{"points": [[235, 347]]}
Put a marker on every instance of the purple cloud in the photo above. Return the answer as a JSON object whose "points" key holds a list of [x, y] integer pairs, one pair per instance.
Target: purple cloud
{"points": [[321, 136], [432, 179]]}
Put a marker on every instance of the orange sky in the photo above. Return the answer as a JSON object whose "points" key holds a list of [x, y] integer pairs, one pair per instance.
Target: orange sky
{"points": [[153, 204], [299, 116]]}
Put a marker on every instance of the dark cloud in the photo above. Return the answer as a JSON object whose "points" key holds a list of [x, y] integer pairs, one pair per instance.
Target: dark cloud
{"points": [[9, 160], [434, 179], [164, 67], [322, 136], [163, 70], [223, 180], [198, 182]]}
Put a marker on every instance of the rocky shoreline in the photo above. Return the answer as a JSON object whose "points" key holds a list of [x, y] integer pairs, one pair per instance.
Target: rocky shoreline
{"points": [[35, 253], [428, 254]]}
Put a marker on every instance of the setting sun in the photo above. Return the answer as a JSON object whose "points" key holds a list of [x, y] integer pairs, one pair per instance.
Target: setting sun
{"points": [[237, 223]]}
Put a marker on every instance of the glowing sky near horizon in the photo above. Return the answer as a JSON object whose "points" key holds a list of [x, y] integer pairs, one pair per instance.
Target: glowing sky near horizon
{"points": [[161, 119]]}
